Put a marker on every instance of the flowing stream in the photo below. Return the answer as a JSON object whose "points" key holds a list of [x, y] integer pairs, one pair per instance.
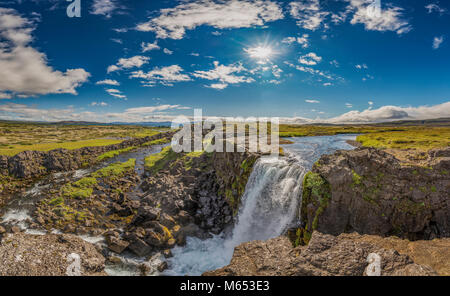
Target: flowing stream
{"points": [[20, 209], [270, 203]]}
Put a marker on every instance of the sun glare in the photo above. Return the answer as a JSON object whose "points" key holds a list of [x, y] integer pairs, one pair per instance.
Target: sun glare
{"points": [[261, 53]]}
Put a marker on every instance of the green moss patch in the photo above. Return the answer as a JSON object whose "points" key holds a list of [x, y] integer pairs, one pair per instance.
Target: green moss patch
{"points": [[155, 162], [114, 153], [316, 190], [157, 142], [114, 170]]}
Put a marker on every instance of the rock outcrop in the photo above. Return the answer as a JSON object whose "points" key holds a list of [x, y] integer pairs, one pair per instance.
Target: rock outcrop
{"points": [[31, 164], [191, 196], [325, 255], [48, 255], [372, 192]]}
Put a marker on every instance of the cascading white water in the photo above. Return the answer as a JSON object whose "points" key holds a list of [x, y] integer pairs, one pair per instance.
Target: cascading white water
{"points": [[269, 204]]}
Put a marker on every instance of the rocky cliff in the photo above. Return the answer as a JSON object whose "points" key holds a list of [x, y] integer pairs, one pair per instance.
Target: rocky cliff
{"points": [[191, 195], [372, 192]]}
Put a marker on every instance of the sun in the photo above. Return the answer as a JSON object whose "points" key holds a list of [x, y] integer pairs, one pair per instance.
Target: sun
{"points": [[260, 53]]}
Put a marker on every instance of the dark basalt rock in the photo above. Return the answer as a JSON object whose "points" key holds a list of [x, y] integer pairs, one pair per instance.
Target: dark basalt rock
{"points": [[372, 192]]}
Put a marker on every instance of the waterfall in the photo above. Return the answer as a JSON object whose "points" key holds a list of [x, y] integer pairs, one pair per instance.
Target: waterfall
{"points": [[270, 200], [270, 203]]}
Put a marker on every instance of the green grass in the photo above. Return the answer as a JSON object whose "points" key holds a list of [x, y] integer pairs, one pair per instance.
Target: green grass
{"points": [[117, 169], [113, 153], [287, 130], [156, 162], [17, 136], [417, 138], [157, 142], [14, 149]]}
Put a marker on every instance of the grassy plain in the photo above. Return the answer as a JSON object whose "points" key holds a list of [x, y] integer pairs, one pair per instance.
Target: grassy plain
{"points": [[16, 137]]}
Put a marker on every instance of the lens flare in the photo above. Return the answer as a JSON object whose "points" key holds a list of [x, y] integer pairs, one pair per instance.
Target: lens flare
{"points": [[259, 52]]}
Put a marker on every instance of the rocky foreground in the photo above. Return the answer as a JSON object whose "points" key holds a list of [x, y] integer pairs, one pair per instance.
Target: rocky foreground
{"points": [[48, 255], [344, 255]]}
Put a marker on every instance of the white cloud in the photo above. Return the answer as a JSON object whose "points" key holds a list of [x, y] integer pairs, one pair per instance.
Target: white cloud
{"points": [[101, 104], [167, 51], [310, 59], [194, 54], [217, 85], [149, 46], [308, 14], [25, 69], [165, 75], [437, 41], [112, 90], [104, 7], [146, 110], [224, 74], [13, 111], [24, 112], [389, 19], [173, 22], [303, 40], [348, 105], [116, 93], [363, 66], [128, 63], [392, 113], [5, 95], [313, 71], [108, 82], [433, 7], [312, 101]]}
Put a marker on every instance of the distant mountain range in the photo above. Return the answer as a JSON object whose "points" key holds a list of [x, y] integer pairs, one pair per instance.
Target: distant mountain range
{"points": [[430, 122]]}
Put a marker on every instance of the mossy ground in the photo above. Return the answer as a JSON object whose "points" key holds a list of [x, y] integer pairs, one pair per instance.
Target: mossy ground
{"points": [[287, 130], [415, 138], [115, 170], [157, 142], [74, 202], [16, 137], [114, 153], [155, 162], [12, 150]]}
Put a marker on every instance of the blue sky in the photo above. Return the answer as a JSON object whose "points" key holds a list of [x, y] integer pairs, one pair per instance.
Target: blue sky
{"points": [[304, 61]]}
